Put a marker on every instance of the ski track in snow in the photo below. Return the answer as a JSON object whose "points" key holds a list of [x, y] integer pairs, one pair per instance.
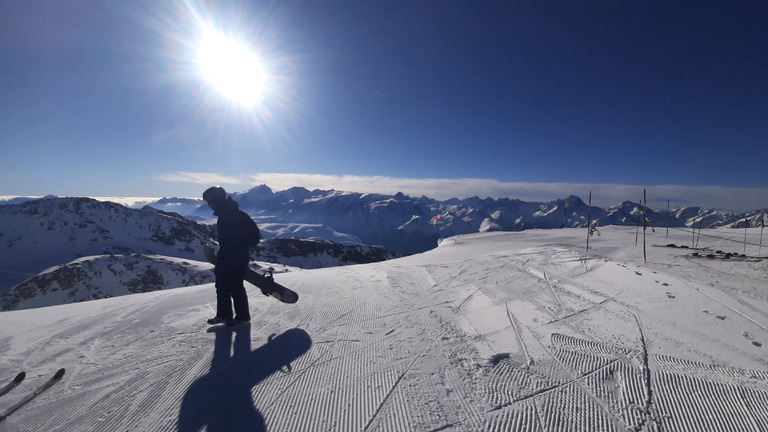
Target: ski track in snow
{"points": [[496, 332]]}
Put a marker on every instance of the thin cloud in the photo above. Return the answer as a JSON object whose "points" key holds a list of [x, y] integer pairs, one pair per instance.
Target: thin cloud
{"points": [[201, 178]]}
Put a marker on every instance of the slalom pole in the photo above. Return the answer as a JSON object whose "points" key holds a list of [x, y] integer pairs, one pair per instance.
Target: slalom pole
{"points": [[667, 218], [589, 220], [698, 237], [693, 239], [762, 226], [637, 232], [645, 223], [746, 224]]}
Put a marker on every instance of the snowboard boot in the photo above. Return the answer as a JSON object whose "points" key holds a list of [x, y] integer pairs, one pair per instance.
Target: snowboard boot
{"points": [[216, 320]]}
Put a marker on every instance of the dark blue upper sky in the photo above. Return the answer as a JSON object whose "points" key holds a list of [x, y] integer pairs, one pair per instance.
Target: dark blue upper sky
{"points": [[105, 98]]}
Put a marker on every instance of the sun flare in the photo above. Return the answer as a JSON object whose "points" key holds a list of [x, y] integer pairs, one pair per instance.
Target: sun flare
{"points": [[231, 68]]}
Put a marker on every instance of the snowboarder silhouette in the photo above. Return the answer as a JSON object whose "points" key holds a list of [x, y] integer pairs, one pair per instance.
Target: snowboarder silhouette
{"points": [[236, 232]]}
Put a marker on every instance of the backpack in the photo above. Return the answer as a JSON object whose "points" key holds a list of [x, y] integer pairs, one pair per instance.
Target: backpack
{"points": [[251, 230]]}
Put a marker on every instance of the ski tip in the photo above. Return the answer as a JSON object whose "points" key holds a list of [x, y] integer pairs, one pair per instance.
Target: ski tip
{"points": [[20, 377], [59, 374]]}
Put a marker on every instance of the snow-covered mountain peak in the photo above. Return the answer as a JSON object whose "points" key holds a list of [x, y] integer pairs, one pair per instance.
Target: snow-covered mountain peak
{"points": [[69, 249], [48, 232]]}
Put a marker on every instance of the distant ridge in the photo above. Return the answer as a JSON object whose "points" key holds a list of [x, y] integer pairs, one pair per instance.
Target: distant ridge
{"points": [[405, 224], [65, 250], [75, 249]]}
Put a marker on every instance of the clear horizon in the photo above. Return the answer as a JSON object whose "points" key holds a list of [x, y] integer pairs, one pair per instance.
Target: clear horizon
{"points": [[604, 196]]}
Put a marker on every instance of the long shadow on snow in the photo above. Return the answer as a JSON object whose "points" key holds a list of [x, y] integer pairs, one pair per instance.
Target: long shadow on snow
{"points": [[221, 399]]}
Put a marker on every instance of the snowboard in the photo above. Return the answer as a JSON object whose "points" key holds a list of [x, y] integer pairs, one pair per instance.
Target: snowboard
{"points": [[266, 281]]}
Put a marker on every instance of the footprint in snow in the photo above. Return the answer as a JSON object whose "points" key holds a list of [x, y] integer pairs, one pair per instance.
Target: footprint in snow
{"points": [[497, 358], [748, 336], [720, 317]]}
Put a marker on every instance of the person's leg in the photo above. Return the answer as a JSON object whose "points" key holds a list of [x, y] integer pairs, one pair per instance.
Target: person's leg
{"points": [[224, 282], [239, 296]]}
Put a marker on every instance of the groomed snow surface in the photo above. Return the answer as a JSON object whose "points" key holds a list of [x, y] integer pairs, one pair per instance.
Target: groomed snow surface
{"points": [[500, 331]]}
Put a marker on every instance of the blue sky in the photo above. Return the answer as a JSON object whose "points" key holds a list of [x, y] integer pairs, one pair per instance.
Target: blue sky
{"points": [[526, 99]]}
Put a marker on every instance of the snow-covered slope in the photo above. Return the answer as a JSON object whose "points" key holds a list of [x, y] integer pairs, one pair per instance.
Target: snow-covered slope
{"points": [[40, 234], [496, 331], [306, 231], [37, 235], [312, 254], [103, 276], [754, 219]]}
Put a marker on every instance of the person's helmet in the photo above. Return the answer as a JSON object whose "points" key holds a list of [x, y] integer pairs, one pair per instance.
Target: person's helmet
{"points": [[214, 196]]}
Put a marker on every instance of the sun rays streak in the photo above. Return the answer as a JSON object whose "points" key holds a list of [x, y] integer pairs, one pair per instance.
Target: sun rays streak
{"points": [[230, 67]]}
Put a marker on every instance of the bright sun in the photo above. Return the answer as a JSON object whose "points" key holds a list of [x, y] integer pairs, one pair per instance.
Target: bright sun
{"points": [[231, 68]]}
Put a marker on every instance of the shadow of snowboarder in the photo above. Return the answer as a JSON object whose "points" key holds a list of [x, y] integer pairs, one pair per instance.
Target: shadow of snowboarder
{"points": [[221, 400]]}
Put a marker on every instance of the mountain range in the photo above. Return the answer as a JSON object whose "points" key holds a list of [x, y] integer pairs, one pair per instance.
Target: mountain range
{"points": [[82, 248], [65, 250], [409, 225]]}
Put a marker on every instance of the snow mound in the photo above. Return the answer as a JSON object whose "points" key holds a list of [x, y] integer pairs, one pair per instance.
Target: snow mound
{"points": [[105, 276]]}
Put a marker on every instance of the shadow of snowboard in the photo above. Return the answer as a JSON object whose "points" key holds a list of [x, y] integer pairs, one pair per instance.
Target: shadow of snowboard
{"points": [[221, 400]]}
